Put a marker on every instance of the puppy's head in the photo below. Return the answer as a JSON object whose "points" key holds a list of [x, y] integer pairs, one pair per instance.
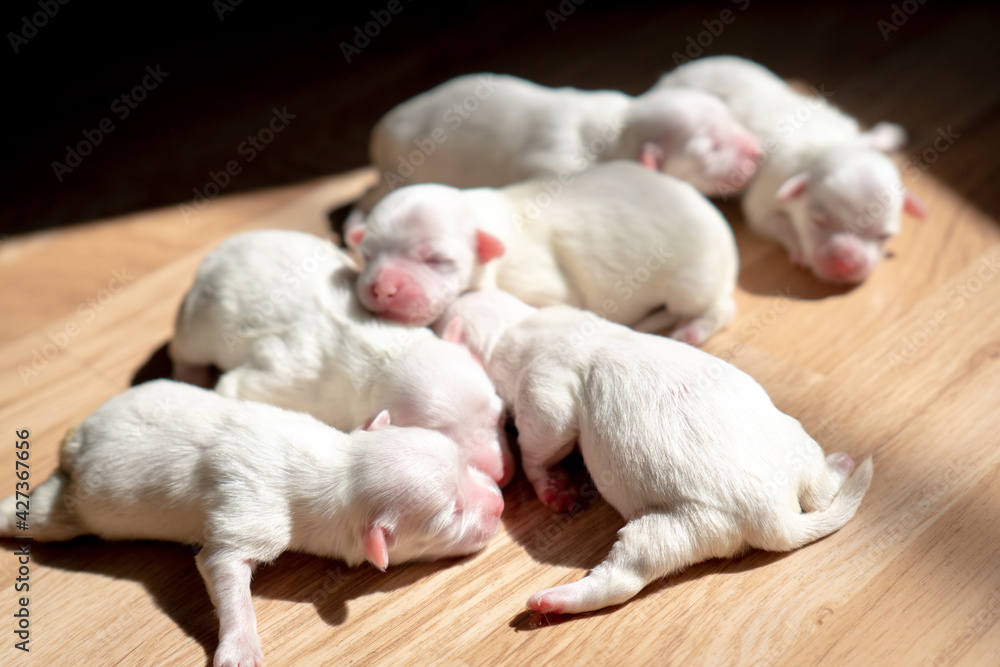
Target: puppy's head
{"points": [[437, 384], [420, 249], [417, 498], [845, 207], [693, 136], [479, 319]]}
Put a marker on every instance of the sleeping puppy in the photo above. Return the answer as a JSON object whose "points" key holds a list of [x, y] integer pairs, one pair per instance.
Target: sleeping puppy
{"points": [[639, 247], [824, 190], [276, 310], [490, 130], [688, 448], [168, 461]]}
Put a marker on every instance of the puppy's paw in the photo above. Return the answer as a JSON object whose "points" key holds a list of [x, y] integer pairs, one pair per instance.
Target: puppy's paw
{"points": [[546, 602], [566, 599], [239, 652], [556, 491]]}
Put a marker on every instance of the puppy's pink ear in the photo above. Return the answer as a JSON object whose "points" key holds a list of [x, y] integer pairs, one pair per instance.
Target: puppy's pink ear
{"points": [[381, 420], [377, 546], [913, 205], [792, 188], [488, 247], [354, 233], [454, 332], [652, 156]]}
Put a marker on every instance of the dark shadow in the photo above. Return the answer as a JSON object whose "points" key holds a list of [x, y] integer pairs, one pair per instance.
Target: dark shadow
{"points": [[337, 218], [159, 365], [590, 526], [781, 278], [221, 87], [329, 584], [168, 571]]}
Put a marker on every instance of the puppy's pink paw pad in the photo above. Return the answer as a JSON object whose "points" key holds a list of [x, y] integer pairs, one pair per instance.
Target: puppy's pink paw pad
{"points": [[560, 500], [557, 491], [544, 603]]}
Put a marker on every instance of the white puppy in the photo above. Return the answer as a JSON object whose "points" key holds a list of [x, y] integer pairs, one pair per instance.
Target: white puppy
{"points": [[168, 461], [490, 130], [276, 310], [688, 448], [824, 190], [617, 239]]}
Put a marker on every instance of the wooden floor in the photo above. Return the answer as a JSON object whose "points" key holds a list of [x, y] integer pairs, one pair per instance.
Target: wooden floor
{"points": [[905, 368]]}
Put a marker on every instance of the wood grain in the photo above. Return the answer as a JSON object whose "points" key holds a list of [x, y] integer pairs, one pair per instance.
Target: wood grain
{"points": [[905, 367]]}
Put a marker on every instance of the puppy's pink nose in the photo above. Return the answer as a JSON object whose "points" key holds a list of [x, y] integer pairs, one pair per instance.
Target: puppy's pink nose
{"points": [[843, 260], [388, 285], [842, 265], [383, 292]]}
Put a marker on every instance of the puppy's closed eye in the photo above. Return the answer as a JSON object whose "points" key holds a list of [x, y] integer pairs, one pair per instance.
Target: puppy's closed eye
{"points": [[822, 221], [439, 262]]}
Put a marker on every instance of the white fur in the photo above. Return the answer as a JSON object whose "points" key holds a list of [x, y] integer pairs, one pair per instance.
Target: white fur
{"points": [[616, 239], [851, 195], [688, 448], [492, 130], [276, 310], [169, 461]]}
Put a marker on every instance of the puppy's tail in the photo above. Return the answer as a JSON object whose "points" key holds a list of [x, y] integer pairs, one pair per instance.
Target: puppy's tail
{"points": [[810, 526], [46, 514]]}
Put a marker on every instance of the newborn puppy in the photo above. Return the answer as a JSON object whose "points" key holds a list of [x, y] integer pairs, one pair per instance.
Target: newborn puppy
{"points": [[688, 448], [491, 130], [276, 310], [168, 461], [824, 190], [617, 239]]}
